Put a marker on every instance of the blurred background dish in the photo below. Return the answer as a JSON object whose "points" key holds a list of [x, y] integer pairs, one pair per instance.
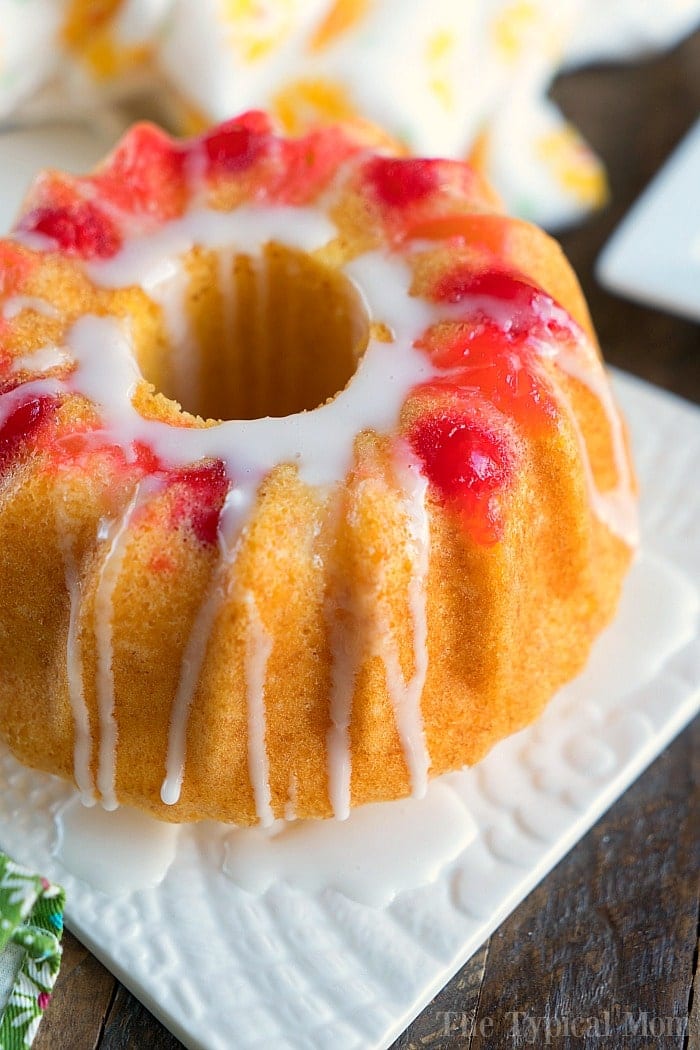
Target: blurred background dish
{"points": [[654, 255], [444, 79]]}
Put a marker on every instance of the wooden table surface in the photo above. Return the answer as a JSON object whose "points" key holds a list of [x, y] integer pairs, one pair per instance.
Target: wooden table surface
{"points": [[614, 928]]}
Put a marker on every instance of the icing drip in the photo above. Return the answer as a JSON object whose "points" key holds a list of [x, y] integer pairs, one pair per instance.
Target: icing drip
{"points": [[116, 852], [168, 286], [360, 626], [347, 651], [41, 360], [190, 671], [617, 508], [382, 850], [257, 653], [14, 306], [82, 750], [116, 534], [406, 695], [258, 649], [319, 443], [230, 525], [382, 282]]}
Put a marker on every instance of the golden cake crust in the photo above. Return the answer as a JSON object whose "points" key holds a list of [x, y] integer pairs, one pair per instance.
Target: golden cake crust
{"points": [[117, 572]]}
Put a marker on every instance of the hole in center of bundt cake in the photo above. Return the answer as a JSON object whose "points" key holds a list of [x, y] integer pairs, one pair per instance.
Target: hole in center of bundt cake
{"points": [[268, 335]]}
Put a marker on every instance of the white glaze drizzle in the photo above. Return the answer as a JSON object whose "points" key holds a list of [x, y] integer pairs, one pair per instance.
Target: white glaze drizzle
{"points": [[346, 649], [122, 851], [168, 286], [319, 443], [406, 695], [43, 359], [82, 747], [230, 533], [116, 852], [383, 849], [16, 304], [359, 626], [258, 647], [190, 672], [617, 507], [248, 228], [116, 534]]}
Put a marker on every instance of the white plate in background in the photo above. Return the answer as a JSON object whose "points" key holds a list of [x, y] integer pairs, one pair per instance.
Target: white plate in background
{"points": [[314, 970], [654, 254]]}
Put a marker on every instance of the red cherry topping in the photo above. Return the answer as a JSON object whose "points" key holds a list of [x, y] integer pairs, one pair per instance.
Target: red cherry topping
{"points": [[308, 163], [495, 348], [236, 144], [145, 174], [463, 283], [200, 499], [79, 228], [22, 423], [146, 459], [513, 304], [500, 366], [468, 465], [399, 182]]}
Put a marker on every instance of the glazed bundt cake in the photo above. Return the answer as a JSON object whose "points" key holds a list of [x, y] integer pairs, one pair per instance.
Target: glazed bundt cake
{"points": [[312, 484], [474, 77]]}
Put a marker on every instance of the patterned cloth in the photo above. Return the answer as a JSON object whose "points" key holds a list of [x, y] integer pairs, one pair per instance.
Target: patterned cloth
{"points": [[31, 924]]}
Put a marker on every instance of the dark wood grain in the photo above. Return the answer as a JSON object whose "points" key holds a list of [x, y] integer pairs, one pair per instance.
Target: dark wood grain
{"points": [[81, 1001], [612, 933], [634, 117], [129, 1026], [452, 1012]]}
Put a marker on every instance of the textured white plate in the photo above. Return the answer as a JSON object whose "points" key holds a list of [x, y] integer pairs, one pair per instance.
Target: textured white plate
{"points": [[299, 970], [654, 255]]}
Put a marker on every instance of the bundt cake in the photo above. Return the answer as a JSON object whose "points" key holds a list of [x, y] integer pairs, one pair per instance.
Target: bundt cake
{"points": [[312, 485]]}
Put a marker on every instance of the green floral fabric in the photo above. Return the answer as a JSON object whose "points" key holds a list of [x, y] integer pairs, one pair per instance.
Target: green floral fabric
{"points": [[31, 924]]}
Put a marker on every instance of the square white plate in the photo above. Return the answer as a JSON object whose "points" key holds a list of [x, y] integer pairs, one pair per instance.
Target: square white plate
{"points": [[299, 969], [654, 254]]}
